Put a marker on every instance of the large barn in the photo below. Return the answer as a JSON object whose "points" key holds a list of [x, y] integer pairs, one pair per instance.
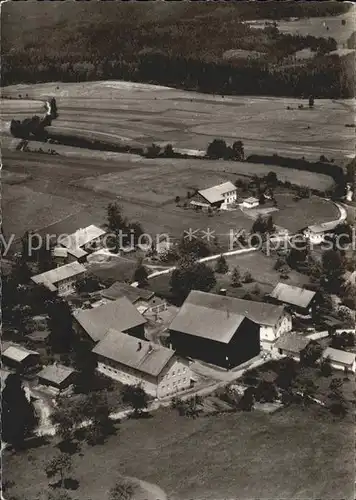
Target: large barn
{"points": [[211, 328]]}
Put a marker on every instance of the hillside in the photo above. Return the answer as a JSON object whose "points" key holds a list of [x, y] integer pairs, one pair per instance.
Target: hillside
{"points": [[178, 44]]}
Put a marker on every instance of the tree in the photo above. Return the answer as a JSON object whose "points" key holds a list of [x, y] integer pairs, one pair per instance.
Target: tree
{"points": [[310, 354], [236, 277], [115, 219], [168, 151], [271, 179], [216, 149], [60, 325], [141, 275], [136, 397], [123, 490], [67, 416], [97, 409], [177, 199], [259, 226], [247, 400], [332, 270], [325, 367], [18, 417], [189, 408], [221, 266], [59, 465], [311, 101], [196, 247], [238, 151], [266, 392], [85, 363], [308, 389], [190, 275], [270, 228], [335, 384], [288, 370], [153, 151], [247, 277]]}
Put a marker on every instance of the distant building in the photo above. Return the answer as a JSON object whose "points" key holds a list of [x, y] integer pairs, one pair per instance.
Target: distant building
{"points": [[119, 314], [250, 203], [57, 376], [131, 361], [221, 196], [144, 300], [340, 359], [19, 358], [82, 242], [291, 345], [317, 232], [211, 328], [296, 299], [61, 279]]}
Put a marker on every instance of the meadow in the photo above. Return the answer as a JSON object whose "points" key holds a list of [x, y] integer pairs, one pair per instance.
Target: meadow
{"points": [[293, 453], [122, 112]]}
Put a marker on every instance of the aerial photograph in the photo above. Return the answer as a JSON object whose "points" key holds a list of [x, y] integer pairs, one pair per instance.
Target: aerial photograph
{"points": [[178, 250]]}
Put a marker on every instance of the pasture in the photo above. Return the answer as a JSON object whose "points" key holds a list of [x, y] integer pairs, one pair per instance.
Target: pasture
{"points": [[122, 112], [291, 454]]}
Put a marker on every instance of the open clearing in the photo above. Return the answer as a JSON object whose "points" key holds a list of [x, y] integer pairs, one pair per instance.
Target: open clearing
{"points": [[291, 454], [85, 186], [316, 26], [122, 112]]}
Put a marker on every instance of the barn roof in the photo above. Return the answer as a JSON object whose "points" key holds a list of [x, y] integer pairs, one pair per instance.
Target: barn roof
{"points": [[209, 316], [215, 193], [138, 354], [292, 342], [119, 289], [119, 314], [59, 273], [293, 295]]}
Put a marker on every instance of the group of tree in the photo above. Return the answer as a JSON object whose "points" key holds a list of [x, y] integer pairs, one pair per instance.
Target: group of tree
{"points": [[30, 128], [191, 275], [136, 397], [191, 407], [218, 149], [263, 225]]}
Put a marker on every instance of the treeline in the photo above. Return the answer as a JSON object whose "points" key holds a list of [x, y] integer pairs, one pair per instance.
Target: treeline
{"points": [[319, 167], [329, 78]]}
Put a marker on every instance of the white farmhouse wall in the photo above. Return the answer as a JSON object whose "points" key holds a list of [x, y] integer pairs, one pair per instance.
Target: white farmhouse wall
{"points": [[175, 377], [269, 334]]}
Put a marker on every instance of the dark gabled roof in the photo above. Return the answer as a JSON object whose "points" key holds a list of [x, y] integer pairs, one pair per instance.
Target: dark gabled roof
{"points": [[138, 354], [119, 289], [293, 295], [119, 314], [209, 316], [292, 342]]}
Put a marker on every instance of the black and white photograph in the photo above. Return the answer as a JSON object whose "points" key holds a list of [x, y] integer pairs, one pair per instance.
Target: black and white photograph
{"points": [[178, 250]]}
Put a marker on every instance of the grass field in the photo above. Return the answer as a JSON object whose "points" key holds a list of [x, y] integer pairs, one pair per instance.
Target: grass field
{"points": [[122, 112], [317, 26], [293, 454]]}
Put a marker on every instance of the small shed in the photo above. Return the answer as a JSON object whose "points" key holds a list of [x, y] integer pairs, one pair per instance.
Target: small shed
{"points": [[291, 345], [340, 359], [57, 376], [21, 359]]}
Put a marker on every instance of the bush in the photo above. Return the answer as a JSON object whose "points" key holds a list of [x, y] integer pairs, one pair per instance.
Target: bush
{"points": [[247, 278], [221, 265]]}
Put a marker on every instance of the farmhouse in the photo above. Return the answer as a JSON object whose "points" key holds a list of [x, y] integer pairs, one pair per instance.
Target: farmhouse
{"points": [[61, 279], [291, 345], [250, 203], [57, 376], [82, 242], [132, 361], [273, 320], [299, 300], [317, 232], [340, 359], [119, 314], [221, 196], [212, 328], [19, 358]]}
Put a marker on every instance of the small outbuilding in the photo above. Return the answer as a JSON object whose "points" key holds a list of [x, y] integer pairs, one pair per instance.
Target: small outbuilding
{"points": [[250, 203], [340, 359], [291, 345], [19, 358], [57, 376]]}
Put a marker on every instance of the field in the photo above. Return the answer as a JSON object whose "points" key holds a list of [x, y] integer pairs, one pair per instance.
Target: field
{"points": [[291, 454], [132, 113], [316, 26]]}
